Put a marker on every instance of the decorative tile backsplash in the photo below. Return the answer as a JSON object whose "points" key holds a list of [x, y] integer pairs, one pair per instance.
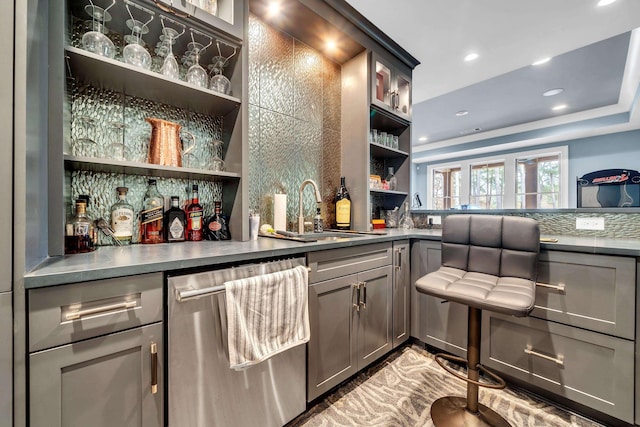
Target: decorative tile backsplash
{"points": [[294, 123], [617, 225]]}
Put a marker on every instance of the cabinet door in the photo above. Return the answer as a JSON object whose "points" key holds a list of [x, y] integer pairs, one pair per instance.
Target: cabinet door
{"points": [[381, 83], [332, 352], [434, 321], [375, 314], [101, 382], [6, 358], [401, 293], [390, 88]]}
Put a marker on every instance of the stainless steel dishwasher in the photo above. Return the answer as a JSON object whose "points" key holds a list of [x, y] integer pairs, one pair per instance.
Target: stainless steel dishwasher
{"points": [[202, 390]]}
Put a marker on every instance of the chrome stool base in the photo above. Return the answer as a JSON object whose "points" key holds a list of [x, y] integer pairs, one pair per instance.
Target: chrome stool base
{"points": [[451, 411]]}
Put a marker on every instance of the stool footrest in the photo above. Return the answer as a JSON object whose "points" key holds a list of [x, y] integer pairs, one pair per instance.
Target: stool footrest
{"points": [[500, 383]]}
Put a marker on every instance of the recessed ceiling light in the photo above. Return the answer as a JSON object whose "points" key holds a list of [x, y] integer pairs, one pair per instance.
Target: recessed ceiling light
{"points": [[552, 92], [605, 2], [542, 61], [559, 107], [462, 113], [471, 57], [274, 8], [422, 139], [331, 44]]}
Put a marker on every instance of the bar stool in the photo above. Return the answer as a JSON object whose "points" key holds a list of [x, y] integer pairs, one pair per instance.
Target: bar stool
{"points": [[488, 263]]}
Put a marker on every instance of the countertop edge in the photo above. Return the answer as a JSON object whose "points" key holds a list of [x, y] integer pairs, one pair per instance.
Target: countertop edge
{"points": [[112, 262]]}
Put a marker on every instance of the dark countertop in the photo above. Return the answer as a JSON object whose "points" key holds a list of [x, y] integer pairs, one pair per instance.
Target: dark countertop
{"points": [[111, 261]]}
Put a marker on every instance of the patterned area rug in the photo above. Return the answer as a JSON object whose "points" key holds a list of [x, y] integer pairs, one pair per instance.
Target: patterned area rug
{"points": [[399, 392]]}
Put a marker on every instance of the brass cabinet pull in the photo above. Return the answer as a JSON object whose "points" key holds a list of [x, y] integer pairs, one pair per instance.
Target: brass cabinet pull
{"points": [[75, 315], [357, 303], [560, 287], [364, 294], [558, 359], [154, 368], [399, 259]]}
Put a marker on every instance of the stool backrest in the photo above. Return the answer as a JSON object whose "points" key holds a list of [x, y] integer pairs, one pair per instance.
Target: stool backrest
{"points": [[505, 246]]}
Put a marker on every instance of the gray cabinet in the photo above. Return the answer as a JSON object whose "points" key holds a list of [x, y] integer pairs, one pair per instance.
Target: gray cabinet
{"points": [[586, 367], [6, 358], [433, 320], [390, 87], [96, 353], [583, 322], [102, 382], [350, 312], [401, 292]]}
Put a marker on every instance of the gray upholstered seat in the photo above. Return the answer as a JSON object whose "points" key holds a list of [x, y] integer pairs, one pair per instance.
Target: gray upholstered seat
{"points": [[488, 263]]}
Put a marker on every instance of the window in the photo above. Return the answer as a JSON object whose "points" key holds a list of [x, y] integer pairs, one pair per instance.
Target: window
{"points": [[524, 180], [446, 188], [487, 186], [538, 182]]}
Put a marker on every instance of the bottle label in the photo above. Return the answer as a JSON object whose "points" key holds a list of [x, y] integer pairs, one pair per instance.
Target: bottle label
{"points": [[195, 220], [343, 213], [81, 229], [176, 229], [122, 222], [214, 226], [151, 215]]}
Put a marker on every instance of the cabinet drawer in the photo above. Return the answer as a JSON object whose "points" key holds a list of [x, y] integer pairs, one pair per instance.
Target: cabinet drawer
{"points": [[594, 292], [334, 263], [69, 313], [587, 367]]}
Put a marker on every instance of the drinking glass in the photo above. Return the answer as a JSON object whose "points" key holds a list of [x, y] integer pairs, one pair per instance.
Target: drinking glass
{"points": [[83, 144], [170, 65], [196, 75], [134, 52], [96, 41], [116, 148]]}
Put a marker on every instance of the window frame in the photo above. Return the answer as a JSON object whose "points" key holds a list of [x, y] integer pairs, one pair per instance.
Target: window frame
{"points": [[510, 164]]}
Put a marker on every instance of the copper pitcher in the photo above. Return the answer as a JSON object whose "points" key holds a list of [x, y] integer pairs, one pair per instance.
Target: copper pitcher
{"points": [[165, 146]]}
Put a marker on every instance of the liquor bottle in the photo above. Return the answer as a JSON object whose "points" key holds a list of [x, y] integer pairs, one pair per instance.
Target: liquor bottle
{"points": [[79, 231], [391, 180], [174, 222], [151, 217], [217, 225], [317, 222], [194, 217], [343, 207], [122, 217]]}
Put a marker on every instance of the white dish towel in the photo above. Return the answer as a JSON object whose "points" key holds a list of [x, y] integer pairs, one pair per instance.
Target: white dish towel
{"points": [[266, 315]]}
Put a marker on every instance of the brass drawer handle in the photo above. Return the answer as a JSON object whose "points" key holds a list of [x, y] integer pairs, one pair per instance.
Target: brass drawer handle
{"points": [[558, 359], [75, 315], [560, 287], [154, 368]]}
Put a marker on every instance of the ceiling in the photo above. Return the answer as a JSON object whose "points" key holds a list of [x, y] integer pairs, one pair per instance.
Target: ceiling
{"points": [[501, 90]]}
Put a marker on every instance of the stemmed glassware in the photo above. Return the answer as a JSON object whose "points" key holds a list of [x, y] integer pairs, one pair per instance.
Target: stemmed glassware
{"points": [[216, 163], [116, 148], [134, 52], [169, 36], [196, 75], [83, 144], [219, 82], [96, 41]]}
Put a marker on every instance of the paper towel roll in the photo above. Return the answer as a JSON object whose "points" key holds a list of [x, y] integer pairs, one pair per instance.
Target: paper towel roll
{"points": [[280, 211]]}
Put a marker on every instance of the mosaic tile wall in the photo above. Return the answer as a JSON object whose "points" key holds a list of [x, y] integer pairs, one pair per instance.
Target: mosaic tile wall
{"points": [[294, 123], [111, 125], [617, 225]]}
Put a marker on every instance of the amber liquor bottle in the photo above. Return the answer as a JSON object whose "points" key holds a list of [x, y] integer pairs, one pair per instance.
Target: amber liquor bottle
{"points": [[174, 222], [151, 217], [194, 216], [79, 231]]}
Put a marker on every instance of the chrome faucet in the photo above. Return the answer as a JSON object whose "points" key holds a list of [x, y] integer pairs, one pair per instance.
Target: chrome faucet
{"points": [[318, 200]]}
